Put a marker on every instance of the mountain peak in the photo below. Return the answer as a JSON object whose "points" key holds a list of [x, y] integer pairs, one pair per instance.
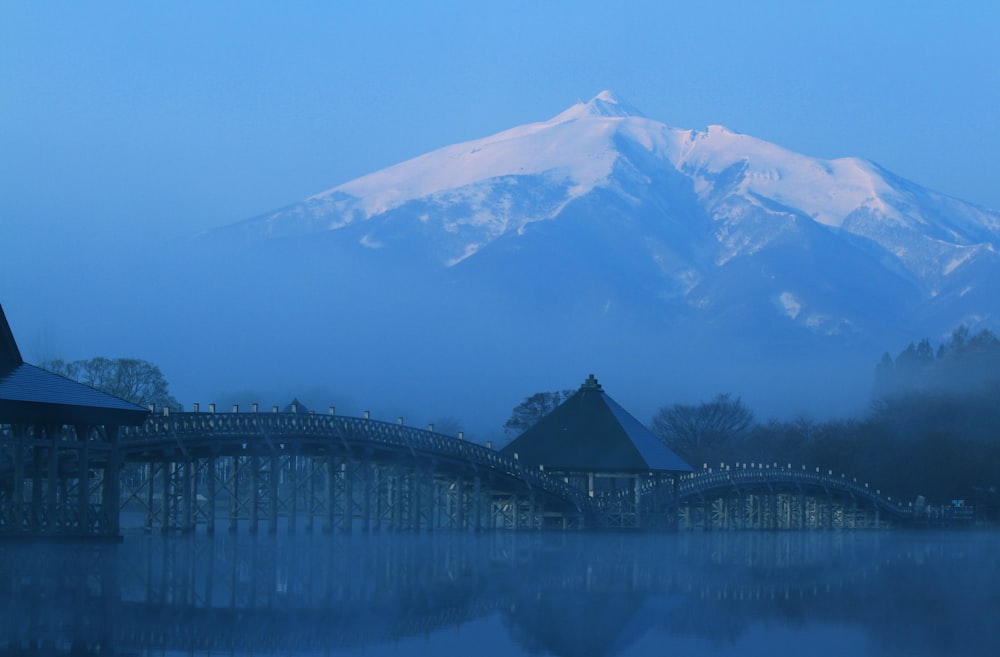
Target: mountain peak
{"points": [[605, 104]]}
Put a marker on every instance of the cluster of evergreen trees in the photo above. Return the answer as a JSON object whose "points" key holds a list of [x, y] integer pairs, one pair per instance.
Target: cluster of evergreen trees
{"points": [[933, 428], [965, 364]]}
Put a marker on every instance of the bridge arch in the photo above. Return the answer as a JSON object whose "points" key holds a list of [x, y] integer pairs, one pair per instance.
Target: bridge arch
{"points": [[197, 468], [772, 496]]}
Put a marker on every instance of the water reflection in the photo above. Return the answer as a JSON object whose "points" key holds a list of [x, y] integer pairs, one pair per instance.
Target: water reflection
{"points": [[567, 595]]}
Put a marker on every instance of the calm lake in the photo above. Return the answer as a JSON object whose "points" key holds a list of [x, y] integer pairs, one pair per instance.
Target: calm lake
{"points": [[816, 593]]}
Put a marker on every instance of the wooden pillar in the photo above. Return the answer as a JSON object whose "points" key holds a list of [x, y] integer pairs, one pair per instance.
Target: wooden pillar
{"points": [[330, 495], [460, 520], [415, 479], [168, 468], [17, 494], [254, 493], [234, 495], [272, 489], [477, 509], [377, 492], [52, 523], [311, 505], [637, 495], [83, 479], [111, 484], [150, 483], [187, 497], [36, 479], [292, 485], [210, 495], [347, 519], [397, 498], [675, 504], [366, 500]]}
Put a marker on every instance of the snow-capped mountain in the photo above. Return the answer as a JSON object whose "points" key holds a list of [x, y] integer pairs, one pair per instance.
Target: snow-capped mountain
{"points": [[674, 264], [710, 222]]}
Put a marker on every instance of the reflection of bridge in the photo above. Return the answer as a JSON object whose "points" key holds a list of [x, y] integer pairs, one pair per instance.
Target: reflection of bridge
{"points": [[344, 473], [309, 593]]}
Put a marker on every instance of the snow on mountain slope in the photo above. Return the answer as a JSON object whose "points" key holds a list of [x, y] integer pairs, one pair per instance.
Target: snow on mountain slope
{"points": [[695, 206], [569, 151]]}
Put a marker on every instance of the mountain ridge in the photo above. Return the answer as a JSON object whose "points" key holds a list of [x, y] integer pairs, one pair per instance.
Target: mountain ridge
{"points": [[576, 150]]}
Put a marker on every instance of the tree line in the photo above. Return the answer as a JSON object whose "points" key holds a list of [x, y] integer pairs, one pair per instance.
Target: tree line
{"points": [[132, 379]]}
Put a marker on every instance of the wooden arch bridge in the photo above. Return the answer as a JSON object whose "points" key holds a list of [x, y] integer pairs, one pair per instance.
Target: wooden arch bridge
{"points": [[339, 472], [297, 470]]}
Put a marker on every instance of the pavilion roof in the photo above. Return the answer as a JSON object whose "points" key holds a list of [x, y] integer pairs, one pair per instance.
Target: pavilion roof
{"points": [[590, 431], [30, 394]]}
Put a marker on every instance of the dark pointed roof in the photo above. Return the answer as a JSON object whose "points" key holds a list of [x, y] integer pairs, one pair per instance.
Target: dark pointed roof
{"points": [[295, 404], [10, 355], [591, 432], [30, 394]]}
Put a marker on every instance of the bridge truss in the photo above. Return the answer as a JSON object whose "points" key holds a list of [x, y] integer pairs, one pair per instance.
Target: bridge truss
{"points": [[333, 472], [768, 496]]}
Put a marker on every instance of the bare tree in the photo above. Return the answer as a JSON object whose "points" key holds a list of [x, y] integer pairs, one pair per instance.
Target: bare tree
{"points": [[699, 432], [131, 379], [527, 414]]}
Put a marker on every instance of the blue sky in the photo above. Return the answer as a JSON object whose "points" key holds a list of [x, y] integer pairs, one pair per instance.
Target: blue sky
{"points": [[144, 120]]}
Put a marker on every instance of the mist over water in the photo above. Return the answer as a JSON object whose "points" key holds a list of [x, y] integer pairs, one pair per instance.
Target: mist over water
{"points": [[816, 593]]}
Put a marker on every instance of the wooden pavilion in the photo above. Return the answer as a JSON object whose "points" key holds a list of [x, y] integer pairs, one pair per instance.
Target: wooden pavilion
{"points": [[596, 445], [59, 455]]}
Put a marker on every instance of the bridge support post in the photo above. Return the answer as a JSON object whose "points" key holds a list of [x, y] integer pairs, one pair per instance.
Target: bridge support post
{"points": [[477, 513], [396, 483], [292, 486], [234, 492], [347, 511], [188, 497], [254, 493], [330, 490], [165, 497], [36, 482], [376, 491], [272, 492], [83, 479], [460, 504], [111, 484], [366, 497], [150, 468], [311, 492], [52, 522], [17, 492], [210, 495]]}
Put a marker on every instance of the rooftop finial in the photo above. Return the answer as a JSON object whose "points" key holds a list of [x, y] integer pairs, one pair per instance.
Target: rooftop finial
{"points": [[591, 384]]}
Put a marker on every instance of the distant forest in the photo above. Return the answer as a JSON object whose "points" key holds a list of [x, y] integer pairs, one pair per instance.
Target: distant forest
{"points": [[933, 428]]}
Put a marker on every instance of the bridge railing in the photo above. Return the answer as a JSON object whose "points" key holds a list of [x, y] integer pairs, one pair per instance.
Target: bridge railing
{"points": [[180, 430], [727, 476]]}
